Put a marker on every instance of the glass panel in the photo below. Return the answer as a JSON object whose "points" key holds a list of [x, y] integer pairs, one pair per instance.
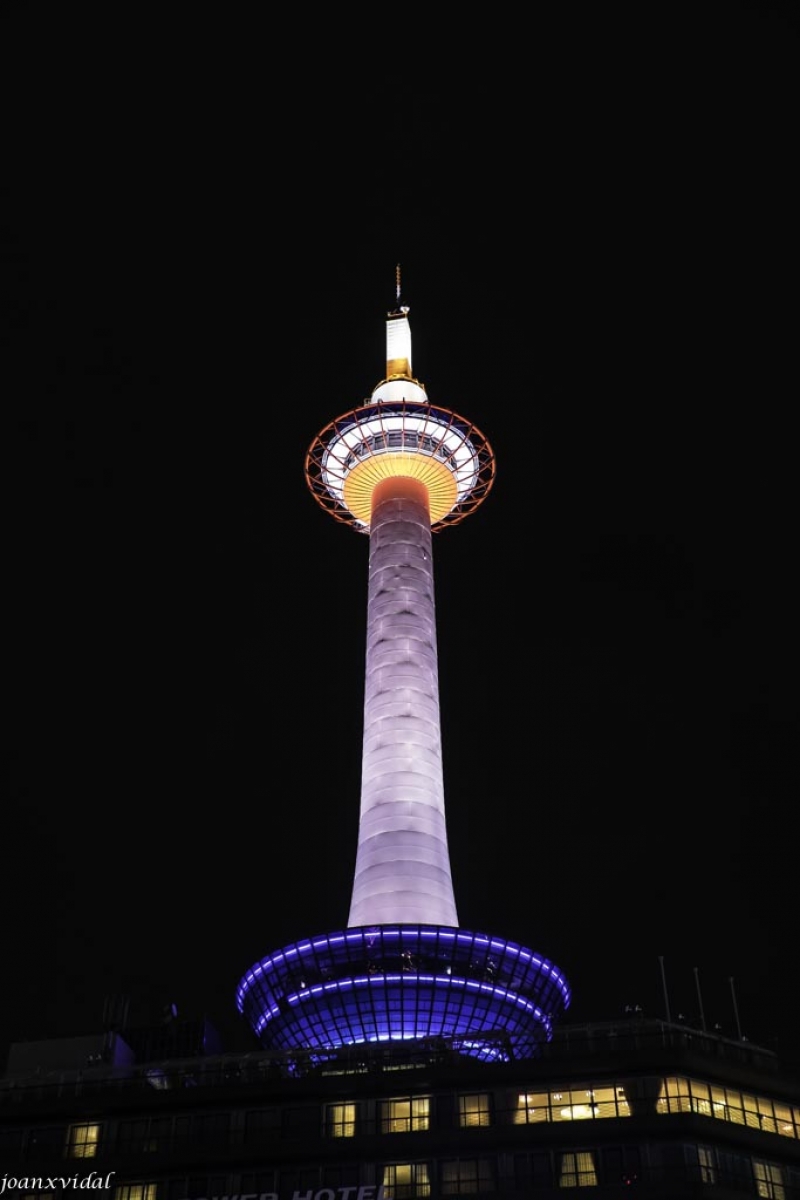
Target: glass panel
{"points": [[708, 1170], [751, 1114], [82, 1142], [406, 1114], [674, 1096], [605, 1101], [769, 1180], [768, 1123], [718, 1105], [579, 1105], [532, 1107], [735, 1113], [341, 1120], [776, 1178], [406, 1181], [701, 1098], [474, 1110], [783, 1120], [420, 1110], [577, 1170]]}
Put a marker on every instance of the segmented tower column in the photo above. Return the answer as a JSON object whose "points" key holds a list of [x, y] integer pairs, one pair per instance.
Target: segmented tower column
{"points": [[402, 863]]}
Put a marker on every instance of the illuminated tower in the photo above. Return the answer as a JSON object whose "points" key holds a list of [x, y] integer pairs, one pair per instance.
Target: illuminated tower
{"points": [[397, 469]]}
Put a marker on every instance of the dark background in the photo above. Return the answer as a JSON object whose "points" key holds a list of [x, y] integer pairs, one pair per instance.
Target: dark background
{"points": [[595, 215]]}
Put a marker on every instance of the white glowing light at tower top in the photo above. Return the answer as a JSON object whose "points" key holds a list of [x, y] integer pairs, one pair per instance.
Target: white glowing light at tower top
{"points": [[398, 343], [399, 384]]}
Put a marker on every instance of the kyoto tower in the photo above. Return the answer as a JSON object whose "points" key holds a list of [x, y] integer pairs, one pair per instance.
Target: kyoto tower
{"points": [[398, 469]]}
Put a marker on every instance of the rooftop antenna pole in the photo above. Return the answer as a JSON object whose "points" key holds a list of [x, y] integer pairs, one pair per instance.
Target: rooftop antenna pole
{"points": [[397, 281], [735, 1009], [664, 985], [699, 999]]}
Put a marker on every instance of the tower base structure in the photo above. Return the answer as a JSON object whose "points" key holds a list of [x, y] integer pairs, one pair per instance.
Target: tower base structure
{"points": [[491, 999]]}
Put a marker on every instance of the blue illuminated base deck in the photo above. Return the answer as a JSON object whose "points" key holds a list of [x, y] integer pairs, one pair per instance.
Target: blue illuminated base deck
{"points": [[390, 983]]}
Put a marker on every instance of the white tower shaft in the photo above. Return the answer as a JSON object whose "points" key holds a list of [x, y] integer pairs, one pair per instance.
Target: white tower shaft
{"points": [[402, 864]]}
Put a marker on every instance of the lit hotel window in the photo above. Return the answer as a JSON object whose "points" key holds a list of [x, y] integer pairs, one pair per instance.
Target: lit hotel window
{"points": [[691, 1095], [531, 1108], [783, 1117], [708, 1167], [577, 1170], [82, 1141], [701, 1098], [404, 1181], [752, 1116], [769, 1180], [405, 1115], [674, 1096], [611, 1102], [341, 1120], [575, 1105], [135, 1191], [474, 1110]]}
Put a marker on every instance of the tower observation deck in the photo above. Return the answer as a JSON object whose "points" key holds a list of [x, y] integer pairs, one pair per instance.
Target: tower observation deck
{"points": [[397, 469]]}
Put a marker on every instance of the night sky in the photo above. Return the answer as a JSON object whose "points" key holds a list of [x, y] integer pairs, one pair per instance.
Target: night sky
{"points": [[596, 225]]}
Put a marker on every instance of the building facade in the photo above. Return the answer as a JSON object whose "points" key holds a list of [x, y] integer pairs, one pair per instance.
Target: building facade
{"points": [[641, 1107]]}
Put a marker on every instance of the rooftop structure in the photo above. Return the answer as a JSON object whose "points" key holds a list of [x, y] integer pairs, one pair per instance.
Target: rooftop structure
{"points": [[638, 1105]]}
